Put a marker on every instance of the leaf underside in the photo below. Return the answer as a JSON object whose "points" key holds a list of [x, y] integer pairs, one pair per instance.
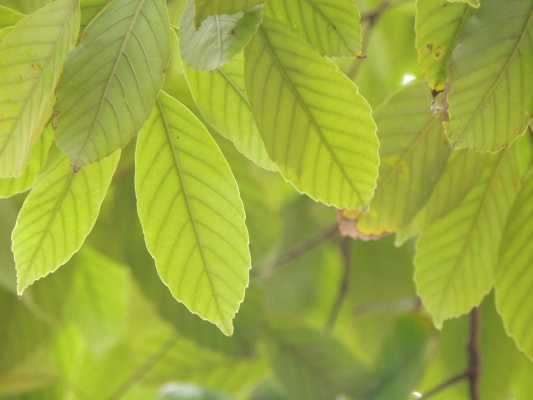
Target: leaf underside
{"points": [[205, 8]]}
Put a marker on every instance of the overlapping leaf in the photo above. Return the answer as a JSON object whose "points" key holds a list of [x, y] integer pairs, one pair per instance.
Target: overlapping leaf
{"points": [[39, 155], [457, 255], [31, 59], [220, 95], [90, 9], [57, 215], [514, 295], [111, 79], [315, 125], [490, 102], [413, 153], [437, 26], [192, 215], [205, 8], [26, 6], [331, 26], [461, 173], [8, 18], [218, 39]]}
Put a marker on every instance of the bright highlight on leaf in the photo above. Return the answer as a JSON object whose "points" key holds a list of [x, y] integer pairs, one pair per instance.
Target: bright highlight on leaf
{"points": [[490, 102], [315, 125], [218, 39], [456, 256], [205, 8], [111, 80], [331, 26], [57, 215], [192, 215], [31, 60], [220, 95]]}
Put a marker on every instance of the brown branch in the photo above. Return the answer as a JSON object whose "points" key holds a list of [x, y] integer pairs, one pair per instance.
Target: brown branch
{"points": [[346, 250], [471, 372], [144, 368]]}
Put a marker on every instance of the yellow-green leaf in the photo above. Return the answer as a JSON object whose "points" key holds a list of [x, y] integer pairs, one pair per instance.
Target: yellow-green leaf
{"points": [[472, 3], [331, 26], [90, 9], [221, 97], [315, 125], [31, 60], [205, 8], [9, 17], [111, 80], [191, 213], [57, 215], [457, 255], [490, 102]]}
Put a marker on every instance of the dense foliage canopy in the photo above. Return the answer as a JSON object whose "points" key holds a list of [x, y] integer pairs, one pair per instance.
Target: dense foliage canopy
{"points": [[152, 152]]}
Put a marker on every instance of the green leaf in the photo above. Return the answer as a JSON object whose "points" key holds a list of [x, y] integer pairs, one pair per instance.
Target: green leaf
{"points": [[457, 255], [90, 9], [413, 153], [462, 172], [26, 6], [9, 17], [513, 274], [99, 298], [192, 215], [112, 79], [57, 215], [312, 365], [220, 95], [31, 59], [293, 89], [331, 26], [490, 102], [205, 8], [39, 155], [472, 3], [437, 26], [401, 363], [218, 39]]}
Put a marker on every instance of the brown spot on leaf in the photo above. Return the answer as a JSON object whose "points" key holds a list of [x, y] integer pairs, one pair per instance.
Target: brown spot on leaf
{"points": [[430, 46], [437, 54], [347, 222]]}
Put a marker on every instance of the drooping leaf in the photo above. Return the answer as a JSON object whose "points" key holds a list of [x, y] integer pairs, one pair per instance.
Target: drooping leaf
{"points": [[331, 26], [205, 8], [38, 157], [315, 125], [218, 39], [457, 255], [462, 172], [402, 360], [438, 25], [192, 215], [90, 9], [413, 153], [514, 296], [490, 102], [312, 365], [31, 60], [57, 215], [111, 80], [220, 95]]}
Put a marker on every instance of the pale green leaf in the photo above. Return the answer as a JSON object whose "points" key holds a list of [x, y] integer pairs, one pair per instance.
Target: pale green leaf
{"points": [[31, 59], [413, 153], [39, 155], [220, 95], [9, 17], [205, 8], [57, 215], [401, 362], [111, 80], [315, 125], [218, 39], [462, 172], [457, 255], [490, 102], [313, 366], [192, 215], [99, 298], [437, 26], [24, 6], [331, 26], [514, 297]]}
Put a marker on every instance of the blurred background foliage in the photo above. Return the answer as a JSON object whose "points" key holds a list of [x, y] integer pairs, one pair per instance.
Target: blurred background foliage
{"points": [[322, 316]]}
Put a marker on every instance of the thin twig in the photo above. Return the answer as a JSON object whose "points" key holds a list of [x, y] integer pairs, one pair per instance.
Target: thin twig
{"points": [[144, 368], [346, 250], [408, 304], [453, 380]]}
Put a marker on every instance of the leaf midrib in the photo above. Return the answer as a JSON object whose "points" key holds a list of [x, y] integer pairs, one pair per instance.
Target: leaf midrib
{"points": [[177, 165], [299, 99]]}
